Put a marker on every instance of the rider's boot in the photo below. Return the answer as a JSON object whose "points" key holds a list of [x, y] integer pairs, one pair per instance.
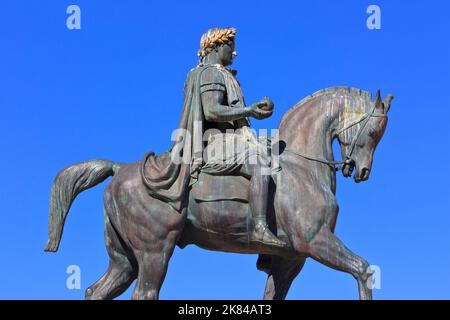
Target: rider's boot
{"points": [[259, 193], [263, 235]]}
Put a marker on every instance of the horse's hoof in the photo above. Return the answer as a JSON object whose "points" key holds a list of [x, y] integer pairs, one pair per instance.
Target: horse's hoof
{"points": [[89, 292]]}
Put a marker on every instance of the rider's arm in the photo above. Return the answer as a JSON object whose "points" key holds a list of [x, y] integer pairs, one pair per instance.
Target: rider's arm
{"points": [[214, 98], [215, 110]]}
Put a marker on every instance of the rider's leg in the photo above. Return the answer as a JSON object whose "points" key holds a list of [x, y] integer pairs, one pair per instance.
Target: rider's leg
{"points": [[258, 198]]}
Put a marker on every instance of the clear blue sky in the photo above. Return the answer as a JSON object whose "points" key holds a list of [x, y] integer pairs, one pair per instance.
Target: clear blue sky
{"points": [[113, 90]]}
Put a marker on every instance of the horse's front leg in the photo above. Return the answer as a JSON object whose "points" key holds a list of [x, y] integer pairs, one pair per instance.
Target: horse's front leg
{"points": [[326, 248]]}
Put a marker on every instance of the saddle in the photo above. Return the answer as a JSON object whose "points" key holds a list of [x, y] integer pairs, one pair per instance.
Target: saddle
{"points": [[211, 188]]}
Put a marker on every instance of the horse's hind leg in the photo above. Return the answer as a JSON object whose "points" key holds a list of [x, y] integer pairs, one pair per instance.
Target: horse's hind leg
{"points": [[152, 270], [280, 277], [122, 270], [329, 250], [162, 234]]}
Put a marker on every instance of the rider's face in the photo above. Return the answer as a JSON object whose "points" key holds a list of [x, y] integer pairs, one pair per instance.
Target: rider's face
{"points": [[227, 53]]}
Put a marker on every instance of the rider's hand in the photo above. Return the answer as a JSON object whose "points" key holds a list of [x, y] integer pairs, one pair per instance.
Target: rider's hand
{"points": [[262, 109], [267, 104]]}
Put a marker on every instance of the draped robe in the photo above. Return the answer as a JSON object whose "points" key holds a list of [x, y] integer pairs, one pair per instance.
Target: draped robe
{"points": [[169, 175]]}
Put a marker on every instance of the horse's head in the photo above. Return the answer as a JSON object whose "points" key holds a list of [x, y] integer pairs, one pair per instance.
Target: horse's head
{"points": [[359, 139]]}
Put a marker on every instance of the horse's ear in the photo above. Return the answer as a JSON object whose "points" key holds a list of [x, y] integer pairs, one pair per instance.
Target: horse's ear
{"points": [[387, 102], [378, 103]]}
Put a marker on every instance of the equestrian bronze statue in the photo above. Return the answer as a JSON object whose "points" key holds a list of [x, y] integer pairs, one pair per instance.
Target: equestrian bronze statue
{"points": [[223, 188]]}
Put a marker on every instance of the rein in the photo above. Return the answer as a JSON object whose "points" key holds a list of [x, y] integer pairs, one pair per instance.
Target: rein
{"points": [[348, 157]]}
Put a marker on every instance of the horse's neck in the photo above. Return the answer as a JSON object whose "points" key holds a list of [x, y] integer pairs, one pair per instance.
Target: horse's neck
{"points": [[309, 129]]}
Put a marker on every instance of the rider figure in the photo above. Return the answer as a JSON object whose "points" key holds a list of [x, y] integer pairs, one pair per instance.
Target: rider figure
{"points": [[224, 109], [213, 101]]}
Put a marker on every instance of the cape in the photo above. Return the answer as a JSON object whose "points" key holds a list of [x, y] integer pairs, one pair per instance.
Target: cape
{"points": [[167, 176]]}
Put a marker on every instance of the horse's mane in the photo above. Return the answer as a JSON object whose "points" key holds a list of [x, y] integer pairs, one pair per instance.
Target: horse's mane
{"points": [[365, 96]]}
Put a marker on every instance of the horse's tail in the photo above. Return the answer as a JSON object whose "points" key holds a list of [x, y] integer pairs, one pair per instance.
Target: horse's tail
{"points": [[67, 185]]}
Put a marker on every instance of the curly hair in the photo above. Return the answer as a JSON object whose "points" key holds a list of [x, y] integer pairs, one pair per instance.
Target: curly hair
{"points": [[214, 37]]}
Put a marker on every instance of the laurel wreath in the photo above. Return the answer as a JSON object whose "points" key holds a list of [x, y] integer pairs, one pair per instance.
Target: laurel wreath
{"points": [[214, 38]]}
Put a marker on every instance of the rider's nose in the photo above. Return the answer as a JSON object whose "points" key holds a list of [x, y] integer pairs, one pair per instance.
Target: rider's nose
{"points": [[234, 54]]}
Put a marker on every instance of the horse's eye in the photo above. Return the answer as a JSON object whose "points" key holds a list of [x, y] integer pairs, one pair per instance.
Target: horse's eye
{"points": [[372, 132]]}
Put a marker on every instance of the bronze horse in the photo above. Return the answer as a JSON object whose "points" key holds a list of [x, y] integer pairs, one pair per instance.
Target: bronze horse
{"points": [[141, 232]]}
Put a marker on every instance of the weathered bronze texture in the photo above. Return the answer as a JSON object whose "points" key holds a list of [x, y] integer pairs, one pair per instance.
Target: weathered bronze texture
{"points": [[285, 216]]}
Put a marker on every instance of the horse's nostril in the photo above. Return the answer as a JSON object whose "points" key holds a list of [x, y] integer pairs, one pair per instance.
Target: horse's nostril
{"points": [[365, 174]]}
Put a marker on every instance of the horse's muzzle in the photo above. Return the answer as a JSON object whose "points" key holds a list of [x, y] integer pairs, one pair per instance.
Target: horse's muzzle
{"points": [[362, 175]]}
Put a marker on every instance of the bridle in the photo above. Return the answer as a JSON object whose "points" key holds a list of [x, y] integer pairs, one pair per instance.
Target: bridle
{"points": [[348, 150]]}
